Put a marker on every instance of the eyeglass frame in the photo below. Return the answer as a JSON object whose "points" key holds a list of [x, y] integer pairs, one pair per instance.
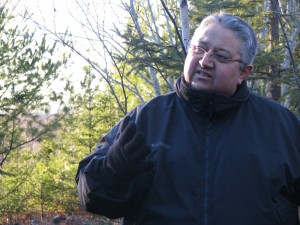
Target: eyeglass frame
{"points": [[223, 59]]}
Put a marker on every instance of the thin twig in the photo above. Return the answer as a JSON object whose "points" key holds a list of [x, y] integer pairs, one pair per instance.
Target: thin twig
{"points": [[175, 26], [287, 44]]}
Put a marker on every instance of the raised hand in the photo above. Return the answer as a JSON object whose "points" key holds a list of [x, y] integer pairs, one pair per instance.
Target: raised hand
{"points": [[126, 157]]}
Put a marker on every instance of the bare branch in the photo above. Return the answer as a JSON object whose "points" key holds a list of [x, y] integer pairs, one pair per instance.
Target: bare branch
{"points": [[287, 45]]}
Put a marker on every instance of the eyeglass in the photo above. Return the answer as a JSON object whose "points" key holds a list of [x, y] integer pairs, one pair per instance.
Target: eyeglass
{"points": [[221, 58]]}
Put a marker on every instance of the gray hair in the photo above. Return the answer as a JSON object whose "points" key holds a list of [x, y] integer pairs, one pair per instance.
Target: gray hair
{"points": [[242, 29]]}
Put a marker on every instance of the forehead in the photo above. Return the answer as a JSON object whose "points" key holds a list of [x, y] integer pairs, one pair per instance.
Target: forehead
{"points": [[216, 36]]}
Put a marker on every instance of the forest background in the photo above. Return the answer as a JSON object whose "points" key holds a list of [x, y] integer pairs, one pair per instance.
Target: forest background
{"points": [[60, 91]]}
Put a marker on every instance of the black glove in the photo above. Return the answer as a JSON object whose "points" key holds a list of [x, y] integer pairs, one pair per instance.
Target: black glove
{"points": [[126, 157]]}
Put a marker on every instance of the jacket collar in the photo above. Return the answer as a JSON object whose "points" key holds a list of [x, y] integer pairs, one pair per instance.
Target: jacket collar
{"points": [[209, 103]]}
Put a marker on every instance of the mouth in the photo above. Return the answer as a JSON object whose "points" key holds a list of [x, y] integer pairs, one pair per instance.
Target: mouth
{"points": [[202, 74]]}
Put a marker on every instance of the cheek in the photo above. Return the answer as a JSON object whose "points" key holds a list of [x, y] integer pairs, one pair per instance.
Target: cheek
{"points": [[189, 67], [227, 77]]}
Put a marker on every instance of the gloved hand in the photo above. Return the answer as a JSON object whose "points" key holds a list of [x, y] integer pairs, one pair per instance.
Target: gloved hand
{"points": [[126, 157]]}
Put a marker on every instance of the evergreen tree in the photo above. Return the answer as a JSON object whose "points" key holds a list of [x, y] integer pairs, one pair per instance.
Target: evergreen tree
{"points": [[27, 71]]}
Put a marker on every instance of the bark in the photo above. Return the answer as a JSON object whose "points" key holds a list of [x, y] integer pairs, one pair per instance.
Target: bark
{"points": [[274, 69], [185, 28]]}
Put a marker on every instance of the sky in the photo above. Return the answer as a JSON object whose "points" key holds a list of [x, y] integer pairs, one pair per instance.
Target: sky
{"points": [[60, 15]]}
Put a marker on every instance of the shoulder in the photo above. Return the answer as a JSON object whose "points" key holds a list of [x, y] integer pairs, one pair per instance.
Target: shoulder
{"points": [[161, 101], [265, 103], [271, 109]]}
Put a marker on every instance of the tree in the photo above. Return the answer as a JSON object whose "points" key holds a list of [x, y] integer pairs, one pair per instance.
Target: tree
{"points": [[27, 70], [151, 38], [51, 182], [184, 18], [13, 195]]}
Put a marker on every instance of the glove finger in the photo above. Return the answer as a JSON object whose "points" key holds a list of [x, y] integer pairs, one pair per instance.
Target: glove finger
{"points": [[128, 133], [116, 158], [137, 141], [124, 123], [140, 154]]}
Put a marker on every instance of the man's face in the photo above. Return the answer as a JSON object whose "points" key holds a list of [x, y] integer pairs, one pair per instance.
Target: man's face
{"points": [[207, 71]]}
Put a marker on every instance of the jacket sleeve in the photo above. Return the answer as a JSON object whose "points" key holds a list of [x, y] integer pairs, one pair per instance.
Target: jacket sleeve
{"points": [[292, 191], [297, 192], [295, 197], [100, 193]]}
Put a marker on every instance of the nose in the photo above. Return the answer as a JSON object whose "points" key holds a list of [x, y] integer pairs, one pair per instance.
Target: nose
{"points": [[206, 60]]}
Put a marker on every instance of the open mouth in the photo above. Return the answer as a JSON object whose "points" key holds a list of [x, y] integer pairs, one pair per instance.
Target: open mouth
{"points": [[202, 73]]}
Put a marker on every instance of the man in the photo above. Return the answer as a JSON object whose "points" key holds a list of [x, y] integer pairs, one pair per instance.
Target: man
{"points": [[211, 153]]}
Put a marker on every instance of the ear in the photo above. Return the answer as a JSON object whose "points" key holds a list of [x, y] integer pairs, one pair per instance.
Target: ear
{"points": [[245, 73]]}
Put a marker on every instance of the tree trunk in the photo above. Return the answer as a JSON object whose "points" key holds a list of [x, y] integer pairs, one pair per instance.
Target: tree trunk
{"points": [[274, 69], [185, 28]]}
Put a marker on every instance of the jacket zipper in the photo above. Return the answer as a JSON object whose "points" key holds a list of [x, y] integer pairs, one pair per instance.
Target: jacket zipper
{"points": [[207, 174]]}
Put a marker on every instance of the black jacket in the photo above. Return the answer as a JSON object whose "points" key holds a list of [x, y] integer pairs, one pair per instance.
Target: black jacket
{"points": [[218, 161]]}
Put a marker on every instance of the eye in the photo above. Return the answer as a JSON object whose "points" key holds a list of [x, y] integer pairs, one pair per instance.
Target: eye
{"points": [[198, 50], [221, 58]]}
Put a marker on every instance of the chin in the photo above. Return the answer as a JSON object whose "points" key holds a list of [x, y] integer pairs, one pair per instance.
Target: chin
{"points": [[199, 86]]}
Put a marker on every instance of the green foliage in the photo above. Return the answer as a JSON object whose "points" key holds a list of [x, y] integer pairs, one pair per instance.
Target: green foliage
{"points": [[27, 69], [13, 197], [52, 180], [162, 56], [152, 54], [43, 179]]}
